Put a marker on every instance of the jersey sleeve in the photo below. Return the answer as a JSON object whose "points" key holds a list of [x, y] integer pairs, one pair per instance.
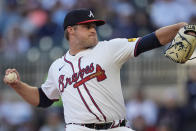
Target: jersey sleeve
{"points": [[49, 87], [121, 49]]}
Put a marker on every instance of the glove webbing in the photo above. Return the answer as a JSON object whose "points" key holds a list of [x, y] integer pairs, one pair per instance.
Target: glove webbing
{"points": [[189, 43]]}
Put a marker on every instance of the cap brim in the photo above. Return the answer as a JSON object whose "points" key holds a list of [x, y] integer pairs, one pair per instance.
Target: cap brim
{"points": [[97, 22]]}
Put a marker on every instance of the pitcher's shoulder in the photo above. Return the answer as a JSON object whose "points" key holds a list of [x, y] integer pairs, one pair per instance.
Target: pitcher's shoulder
{"points": [[57, 62]]}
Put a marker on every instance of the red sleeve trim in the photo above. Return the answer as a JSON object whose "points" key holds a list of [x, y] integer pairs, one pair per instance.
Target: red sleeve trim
{"points": [[136, 46]]}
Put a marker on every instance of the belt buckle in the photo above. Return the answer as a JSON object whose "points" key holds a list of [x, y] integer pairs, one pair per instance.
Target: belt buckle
{"points": [[94, 126], [100, 126]]}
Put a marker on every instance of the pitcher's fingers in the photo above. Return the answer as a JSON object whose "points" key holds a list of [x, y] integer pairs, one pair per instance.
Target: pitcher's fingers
{"points": [[9, 70]]}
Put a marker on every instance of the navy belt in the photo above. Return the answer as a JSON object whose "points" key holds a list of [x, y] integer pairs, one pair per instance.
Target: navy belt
{"points": [[100, 126]]}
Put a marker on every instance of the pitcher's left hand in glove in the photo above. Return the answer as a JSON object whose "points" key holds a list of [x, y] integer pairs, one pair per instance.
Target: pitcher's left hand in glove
{"points": [[183, 45]]}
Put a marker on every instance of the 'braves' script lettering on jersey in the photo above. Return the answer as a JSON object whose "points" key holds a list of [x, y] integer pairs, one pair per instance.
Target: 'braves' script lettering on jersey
{"points": [[99, 75]]}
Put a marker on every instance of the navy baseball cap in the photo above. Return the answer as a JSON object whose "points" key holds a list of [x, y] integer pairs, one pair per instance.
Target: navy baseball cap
{"points": [[80, 16]]}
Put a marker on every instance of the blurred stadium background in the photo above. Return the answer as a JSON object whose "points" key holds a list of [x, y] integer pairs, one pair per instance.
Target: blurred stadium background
{"points": [[159, 94]]}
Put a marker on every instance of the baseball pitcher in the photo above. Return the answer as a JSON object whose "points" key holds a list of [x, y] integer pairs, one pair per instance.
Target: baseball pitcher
{"points": [[87, 77]]}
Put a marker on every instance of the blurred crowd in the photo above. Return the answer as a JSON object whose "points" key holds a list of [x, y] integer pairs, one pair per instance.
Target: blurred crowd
{"points": [[167, 113], [29, 24]]}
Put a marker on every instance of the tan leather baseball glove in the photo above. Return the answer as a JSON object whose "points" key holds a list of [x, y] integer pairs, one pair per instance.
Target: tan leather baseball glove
{"points": [[183, 45]]}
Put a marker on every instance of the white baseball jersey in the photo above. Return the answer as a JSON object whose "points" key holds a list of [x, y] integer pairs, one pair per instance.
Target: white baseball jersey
{"points": [[89, 82]]}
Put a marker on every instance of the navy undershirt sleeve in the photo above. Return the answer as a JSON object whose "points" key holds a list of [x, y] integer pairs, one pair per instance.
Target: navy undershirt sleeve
{"points": [[146, 43], [44, 101]]}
